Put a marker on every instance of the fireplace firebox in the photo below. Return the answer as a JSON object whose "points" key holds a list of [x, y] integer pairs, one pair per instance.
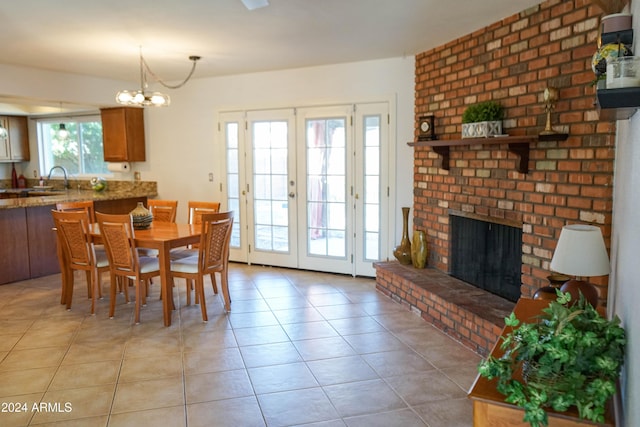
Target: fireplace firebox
{"points": [[487, 255]]}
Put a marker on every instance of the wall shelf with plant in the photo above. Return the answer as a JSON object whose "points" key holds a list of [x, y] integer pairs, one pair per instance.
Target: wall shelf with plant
{"points": [[519, 145]]}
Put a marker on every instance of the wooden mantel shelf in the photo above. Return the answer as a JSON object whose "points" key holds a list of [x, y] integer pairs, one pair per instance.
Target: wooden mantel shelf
{"points": [[519, 145]]}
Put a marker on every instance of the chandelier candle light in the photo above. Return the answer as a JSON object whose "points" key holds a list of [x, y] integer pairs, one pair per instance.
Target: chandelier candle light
{"points": [[142, 98]]}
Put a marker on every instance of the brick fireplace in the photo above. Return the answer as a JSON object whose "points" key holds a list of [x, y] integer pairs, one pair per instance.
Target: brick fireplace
{"points": [[568, 181]]}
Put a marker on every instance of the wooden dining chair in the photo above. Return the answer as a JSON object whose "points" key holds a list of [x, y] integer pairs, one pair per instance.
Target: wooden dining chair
{"points": [[119, 240], [212, 257], [86, 206], [163, 210], [196, 209], [78, 253], [194, 215]]}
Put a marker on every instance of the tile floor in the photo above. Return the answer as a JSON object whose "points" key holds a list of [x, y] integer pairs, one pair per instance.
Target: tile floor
{"points": [[299, 348]]}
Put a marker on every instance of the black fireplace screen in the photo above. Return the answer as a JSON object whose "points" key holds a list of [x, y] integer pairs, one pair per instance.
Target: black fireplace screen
{"points": [[487, 255]]}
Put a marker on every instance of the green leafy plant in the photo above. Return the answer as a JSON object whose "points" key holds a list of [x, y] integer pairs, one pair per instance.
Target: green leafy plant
{"points": [[487, 111], [571, 356]]}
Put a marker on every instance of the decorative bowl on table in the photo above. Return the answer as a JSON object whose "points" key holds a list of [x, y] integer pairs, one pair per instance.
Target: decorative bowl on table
{"points": [[141, 217]]}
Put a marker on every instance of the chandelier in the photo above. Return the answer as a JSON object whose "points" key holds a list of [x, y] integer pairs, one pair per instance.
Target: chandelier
{"points": [[143, 98], [62, 133]]}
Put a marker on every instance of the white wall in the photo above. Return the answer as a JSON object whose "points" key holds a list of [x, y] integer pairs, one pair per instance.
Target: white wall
{"points": [[182, 139], [624, 289]]}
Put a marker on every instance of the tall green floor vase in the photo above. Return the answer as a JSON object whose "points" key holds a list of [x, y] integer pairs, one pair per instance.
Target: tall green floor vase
{"points": [[402, 252], [419, 249]]}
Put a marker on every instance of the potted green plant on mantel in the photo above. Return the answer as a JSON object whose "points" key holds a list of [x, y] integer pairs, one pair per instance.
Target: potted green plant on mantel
{"points": [[571, 357], [482, 120]]}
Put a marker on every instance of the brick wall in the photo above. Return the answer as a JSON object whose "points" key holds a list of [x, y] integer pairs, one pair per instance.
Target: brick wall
{"points": [[513, 61]]}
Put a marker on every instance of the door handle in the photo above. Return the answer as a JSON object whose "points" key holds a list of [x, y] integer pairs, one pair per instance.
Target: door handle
{"points": [[292, 195]]}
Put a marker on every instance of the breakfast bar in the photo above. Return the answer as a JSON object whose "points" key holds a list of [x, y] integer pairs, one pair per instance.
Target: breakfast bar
{"points": [[28, 248]]}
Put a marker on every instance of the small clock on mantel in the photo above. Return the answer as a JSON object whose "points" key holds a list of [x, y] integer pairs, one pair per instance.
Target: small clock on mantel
{"points": [[426, 128]]}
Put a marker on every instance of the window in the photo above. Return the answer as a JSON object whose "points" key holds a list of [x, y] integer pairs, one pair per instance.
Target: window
{"points": [[79, 152]]}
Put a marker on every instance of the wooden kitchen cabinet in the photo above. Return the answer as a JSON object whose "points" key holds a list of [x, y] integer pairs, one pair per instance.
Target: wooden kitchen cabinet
{"points": [[15, 145], [28, 246], [43, 255], [123, 134], [14, 252]]}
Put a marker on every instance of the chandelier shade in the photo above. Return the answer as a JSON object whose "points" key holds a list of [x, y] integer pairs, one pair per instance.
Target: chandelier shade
{"points": [[142, 98], [62, 132]]}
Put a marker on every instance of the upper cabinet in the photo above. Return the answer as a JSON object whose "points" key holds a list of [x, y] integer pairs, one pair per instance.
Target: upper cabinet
{"points": [[123, 134], [14, 144]]}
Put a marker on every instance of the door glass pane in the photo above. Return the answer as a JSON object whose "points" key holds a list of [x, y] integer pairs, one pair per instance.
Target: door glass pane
{"points": [[326, 187], [371, 167], [270, 178], [233, 179]]}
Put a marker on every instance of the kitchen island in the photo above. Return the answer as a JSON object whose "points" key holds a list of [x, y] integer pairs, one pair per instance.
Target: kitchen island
{"points": [[27, 241]]}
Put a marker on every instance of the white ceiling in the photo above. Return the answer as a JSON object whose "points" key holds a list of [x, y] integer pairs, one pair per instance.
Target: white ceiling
{"points": [[103, 38]]}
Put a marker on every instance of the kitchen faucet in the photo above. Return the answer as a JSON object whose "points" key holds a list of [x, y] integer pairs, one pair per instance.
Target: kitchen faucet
{"points": [[64, 171]]}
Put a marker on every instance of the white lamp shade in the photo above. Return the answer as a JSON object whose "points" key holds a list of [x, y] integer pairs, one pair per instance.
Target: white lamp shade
{"points": [[581, 252]]}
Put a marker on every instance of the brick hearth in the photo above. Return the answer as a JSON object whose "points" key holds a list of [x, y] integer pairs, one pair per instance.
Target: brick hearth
{"points": [[470, 315]]}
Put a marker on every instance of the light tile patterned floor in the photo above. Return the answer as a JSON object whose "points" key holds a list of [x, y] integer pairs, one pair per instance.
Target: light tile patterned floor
{"points": [[299, 348]]}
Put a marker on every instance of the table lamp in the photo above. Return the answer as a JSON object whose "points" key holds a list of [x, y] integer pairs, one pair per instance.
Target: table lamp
{"points": [[581, 253]]}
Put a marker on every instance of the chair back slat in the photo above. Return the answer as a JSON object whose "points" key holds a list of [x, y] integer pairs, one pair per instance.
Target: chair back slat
{"points": [[163, 210], [197, 209], [86, 206]]}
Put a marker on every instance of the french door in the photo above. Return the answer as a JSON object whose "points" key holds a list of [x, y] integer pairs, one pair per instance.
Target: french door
{"points": [[324, 177], [309, 186]]}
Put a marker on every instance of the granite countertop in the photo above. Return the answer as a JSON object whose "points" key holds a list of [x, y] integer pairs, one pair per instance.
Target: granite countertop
{"points": [[141, 189]]}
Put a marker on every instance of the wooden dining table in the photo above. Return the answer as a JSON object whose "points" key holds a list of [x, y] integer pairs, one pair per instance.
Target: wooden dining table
{"points": [[163, 236]]}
